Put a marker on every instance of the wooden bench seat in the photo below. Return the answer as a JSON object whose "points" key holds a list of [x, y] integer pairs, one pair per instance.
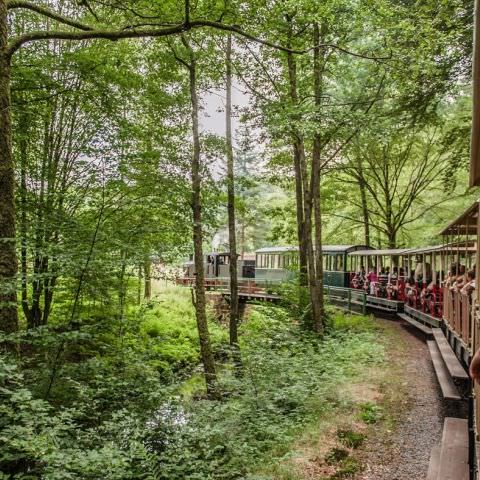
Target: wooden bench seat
{"points": [[434, 463], [449, 390], [453, 459], [452, 363], [420, 326]]}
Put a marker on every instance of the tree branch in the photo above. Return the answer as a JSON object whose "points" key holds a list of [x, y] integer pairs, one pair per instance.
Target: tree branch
{"points": [[90, 33], [187, 12], [46, 12]]}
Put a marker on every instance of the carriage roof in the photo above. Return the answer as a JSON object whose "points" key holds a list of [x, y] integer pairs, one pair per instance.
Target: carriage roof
{"points": [[325, 249], [465, 224], [385, 252]]}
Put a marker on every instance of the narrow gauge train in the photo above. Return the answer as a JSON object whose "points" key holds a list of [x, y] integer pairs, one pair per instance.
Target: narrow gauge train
{"points": [[411, 279]]}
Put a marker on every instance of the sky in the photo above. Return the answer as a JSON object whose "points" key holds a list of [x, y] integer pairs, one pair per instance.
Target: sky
{"points": [[213, 117]]}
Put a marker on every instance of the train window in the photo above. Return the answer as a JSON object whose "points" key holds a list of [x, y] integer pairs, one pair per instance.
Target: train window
{"points": [[340, 262]]}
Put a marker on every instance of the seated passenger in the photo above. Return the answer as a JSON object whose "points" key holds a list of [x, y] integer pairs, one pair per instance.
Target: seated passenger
{"points": [[392, 285], [469, 286], [383, 277], [410, 286], [372, 281], [393, 276], [361, 276], [451, 276], [459, 282], [427, 291]]}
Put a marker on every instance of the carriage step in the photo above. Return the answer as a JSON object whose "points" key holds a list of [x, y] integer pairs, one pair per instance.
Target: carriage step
{"points": [[381, 307], [423, 328], [434, 463], [453, 461], [452, 363], [449, 390]]}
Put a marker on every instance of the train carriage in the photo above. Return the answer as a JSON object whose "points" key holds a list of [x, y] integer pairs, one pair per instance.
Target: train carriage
{"points": [[277, 264]]}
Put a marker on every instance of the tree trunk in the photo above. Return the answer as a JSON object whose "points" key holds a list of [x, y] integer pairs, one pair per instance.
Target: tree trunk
{"points": [[147, 269], [139, 285], [363, 198], [232, 236], [122, 287], [298, 148], [200, 299], [23, 147], [8, 255], [303, 196], [318, 300], [392, 239]]}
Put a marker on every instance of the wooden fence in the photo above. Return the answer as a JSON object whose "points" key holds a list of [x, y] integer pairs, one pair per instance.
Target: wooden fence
{"points": [[457, 311]]}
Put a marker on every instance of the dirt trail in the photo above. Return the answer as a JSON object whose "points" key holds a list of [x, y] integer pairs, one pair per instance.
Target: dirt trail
{"points": [[403, 452]]}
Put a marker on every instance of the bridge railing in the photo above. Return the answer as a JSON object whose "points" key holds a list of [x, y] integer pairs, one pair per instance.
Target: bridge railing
{"points": [[223, 285], [457, 312]]}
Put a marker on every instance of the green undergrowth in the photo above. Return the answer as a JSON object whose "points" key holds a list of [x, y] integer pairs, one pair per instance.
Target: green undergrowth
{"points": [[134, 408], [170, 333], [290, 381]]}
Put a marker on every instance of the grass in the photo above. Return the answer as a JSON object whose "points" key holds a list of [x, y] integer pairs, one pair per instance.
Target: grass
{"points": [[169, 327]]}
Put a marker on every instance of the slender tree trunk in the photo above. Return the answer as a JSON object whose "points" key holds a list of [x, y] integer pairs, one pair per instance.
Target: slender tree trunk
{"points": [[8, 255], [319, 310], [122, 288], [139, 285], [232, 236], [23, 147], [147, 269], [308, 231], [200, 298], [363, 198], [242, 239], [298, 148]]}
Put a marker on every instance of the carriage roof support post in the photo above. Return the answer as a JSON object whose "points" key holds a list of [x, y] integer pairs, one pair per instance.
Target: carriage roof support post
{"points": [[424, 268], [477, 258], [442, 260], [458, 248], [468, 258], [434, 268]]}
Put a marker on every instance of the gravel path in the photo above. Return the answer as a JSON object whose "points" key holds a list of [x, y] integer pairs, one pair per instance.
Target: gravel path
{"points": [[404, 452]]}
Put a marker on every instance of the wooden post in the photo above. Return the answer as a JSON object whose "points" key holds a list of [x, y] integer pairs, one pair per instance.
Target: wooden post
{"points": [[424, 269]]}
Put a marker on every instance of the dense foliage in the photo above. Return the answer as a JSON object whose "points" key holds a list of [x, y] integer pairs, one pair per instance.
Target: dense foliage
{"points": [[121, 415]]}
